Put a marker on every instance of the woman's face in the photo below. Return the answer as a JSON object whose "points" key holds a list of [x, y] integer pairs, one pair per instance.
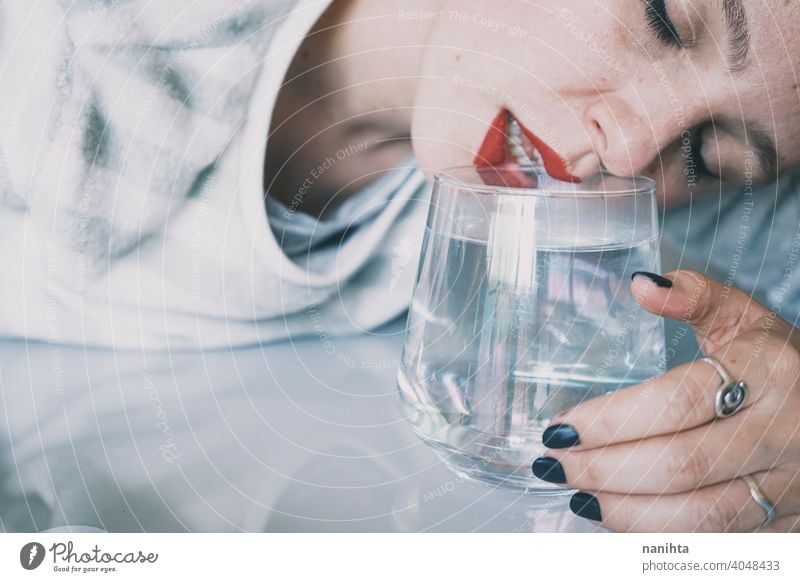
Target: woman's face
{"points": [[685, 91]]}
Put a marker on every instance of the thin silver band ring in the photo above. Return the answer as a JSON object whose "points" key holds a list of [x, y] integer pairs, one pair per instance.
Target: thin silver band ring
{"points": [[759, 497], [731, 395]]}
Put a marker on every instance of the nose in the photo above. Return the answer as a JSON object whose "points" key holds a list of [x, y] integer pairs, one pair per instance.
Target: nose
{"points": [[627, 137]]}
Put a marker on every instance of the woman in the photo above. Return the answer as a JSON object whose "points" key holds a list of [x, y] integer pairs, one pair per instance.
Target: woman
{"points": [[689, 93], [133, 213]]}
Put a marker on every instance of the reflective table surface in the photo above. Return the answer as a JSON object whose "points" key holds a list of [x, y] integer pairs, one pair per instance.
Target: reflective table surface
{"points": [[298, 436]]}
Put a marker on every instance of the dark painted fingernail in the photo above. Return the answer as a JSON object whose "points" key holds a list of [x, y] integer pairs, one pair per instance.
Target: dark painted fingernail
{"points": [[657, 279], [586, 506], [549, 470], [560, 436]]}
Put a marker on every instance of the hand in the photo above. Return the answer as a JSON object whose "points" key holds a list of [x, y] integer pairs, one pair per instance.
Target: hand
{"points": [[653, 457]]}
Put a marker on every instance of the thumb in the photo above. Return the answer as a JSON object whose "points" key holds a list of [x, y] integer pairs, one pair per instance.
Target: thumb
{"points": [[717, 313]]}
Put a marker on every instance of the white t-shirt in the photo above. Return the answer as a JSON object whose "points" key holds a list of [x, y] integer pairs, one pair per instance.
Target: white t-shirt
{"points": [[132, 213]]}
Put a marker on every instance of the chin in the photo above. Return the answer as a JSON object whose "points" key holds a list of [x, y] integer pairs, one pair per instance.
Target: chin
{"points": [[431, 162]]}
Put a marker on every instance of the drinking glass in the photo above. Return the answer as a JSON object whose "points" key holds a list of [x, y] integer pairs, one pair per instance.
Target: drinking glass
{"points": [[522, 309]]}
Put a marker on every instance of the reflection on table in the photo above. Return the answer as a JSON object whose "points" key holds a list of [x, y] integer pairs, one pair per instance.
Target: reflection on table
{"points": [[297, 436]]}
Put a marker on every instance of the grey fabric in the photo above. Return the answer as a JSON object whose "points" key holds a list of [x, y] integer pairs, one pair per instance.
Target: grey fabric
{"points": [[747, 238], [300, 233]]}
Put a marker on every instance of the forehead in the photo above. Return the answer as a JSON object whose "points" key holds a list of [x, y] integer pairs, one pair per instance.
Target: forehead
{"points": [[774, 43], [767, 90]]}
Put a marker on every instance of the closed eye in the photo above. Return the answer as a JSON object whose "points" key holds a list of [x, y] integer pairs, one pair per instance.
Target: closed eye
{"points": [[661, 24]]}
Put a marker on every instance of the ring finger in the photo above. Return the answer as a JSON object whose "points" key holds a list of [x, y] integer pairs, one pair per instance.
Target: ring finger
{"points": [[724, 507], [713, 453], [681, 399]]}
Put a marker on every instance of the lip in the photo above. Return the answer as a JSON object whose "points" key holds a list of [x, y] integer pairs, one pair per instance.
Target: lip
{"points": [[496, 164]]}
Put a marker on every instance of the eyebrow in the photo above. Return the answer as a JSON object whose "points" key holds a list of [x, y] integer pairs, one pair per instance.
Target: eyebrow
{"points": [[738, 34]]}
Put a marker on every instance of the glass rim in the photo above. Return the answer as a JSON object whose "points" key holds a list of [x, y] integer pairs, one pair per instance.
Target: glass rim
{"points": [[641, 185]]}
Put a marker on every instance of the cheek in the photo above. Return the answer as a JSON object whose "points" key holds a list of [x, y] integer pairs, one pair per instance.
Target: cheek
{"points": [[671, 192], [674, 186], [498, 42], [546, 58], [542, 54], [474, 66], [668, 172], [449, 124]]}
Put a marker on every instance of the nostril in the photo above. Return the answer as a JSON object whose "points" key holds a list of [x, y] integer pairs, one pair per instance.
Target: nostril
{"points": [[599, 138]]}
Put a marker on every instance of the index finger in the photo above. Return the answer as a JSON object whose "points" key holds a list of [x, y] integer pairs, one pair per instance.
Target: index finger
{"points": [[681, 399]]}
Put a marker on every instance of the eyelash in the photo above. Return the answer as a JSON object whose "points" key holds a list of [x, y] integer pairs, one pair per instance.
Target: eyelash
{"points": [[660, 23], [664, 29]]}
